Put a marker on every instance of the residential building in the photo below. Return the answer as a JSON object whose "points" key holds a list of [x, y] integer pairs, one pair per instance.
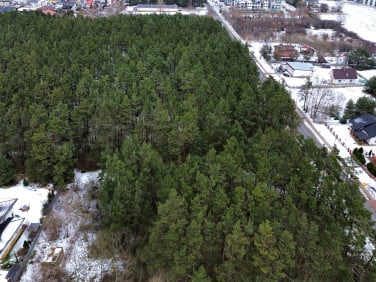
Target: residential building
{"points": [[363, 129], [285, 52], [344, 76], [298, 69], [255, 5]]}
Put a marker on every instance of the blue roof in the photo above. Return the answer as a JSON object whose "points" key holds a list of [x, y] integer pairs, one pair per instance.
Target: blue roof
{"points": [[301, 66]]}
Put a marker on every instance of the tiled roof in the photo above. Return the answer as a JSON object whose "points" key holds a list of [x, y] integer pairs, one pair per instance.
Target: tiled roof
{"points": [[345, 73]]}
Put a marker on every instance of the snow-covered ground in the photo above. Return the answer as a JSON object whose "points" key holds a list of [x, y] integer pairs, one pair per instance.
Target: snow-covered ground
{"points": [[357, 18], [34, 196], [71, 209], [332, 133]]}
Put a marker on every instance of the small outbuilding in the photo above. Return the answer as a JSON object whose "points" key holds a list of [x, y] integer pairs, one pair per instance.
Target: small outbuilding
{"points": [[344, 76], [298, 69], [54, 257], [363, 129]]}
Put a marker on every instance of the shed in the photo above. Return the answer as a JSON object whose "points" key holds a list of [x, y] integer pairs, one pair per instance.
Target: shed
{"points": [[298, 69], [363, 128]]}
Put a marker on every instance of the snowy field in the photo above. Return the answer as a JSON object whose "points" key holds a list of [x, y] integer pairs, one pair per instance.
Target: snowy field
{"points": [[357, 18]]}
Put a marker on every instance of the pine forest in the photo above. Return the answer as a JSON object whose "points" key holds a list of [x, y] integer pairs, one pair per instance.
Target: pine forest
{"points": [[204, 177]]}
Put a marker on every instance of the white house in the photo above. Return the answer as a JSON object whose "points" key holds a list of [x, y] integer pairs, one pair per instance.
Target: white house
{"points": [[344, 76], [298, 69]]}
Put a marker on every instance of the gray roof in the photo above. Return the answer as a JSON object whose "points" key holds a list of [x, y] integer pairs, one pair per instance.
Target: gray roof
{"points": [[6, 206], [364, 127]]}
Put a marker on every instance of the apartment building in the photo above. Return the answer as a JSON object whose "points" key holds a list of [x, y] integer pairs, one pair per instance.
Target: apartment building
{"points": [[255, 5]]}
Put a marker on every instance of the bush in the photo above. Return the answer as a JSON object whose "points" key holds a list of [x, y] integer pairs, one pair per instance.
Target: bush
{"points": [[358, 154], [371, 168], [25, 182]]}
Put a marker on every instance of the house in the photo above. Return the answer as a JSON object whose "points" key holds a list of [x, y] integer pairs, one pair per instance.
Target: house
{"points": [[298, 69], [344, 76], [156, 9], [363, 129], [285, 52]]}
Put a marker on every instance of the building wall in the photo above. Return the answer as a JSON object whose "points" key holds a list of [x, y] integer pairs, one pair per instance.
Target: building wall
{"points": [[344, 81], [255, 4], [372, 141], [297, 73]]}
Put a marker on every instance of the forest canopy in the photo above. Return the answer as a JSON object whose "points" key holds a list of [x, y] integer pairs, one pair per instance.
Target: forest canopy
{"points": [[203, 174]]}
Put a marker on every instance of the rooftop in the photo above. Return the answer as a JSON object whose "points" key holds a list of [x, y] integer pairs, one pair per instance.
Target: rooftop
{"points": [[301, 66], [345, 73], [6, 206]]}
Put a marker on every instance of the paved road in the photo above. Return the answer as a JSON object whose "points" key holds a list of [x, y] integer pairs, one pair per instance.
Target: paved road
{"points": [[304, 130]]}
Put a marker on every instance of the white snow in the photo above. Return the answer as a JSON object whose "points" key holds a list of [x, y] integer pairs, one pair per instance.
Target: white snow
{"points": [[72, 208], [357, 18], [33, 195], [367, 74]]}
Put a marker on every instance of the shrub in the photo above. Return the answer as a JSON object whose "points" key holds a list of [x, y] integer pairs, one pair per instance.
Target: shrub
{"points": [[371, 168], [358, 154], [25, 182]]}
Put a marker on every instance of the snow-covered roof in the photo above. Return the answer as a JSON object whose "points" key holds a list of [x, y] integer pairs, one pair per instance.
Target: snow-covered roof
{"points": [[362, 121], [6, 206], [301, 66], [364, 127]]}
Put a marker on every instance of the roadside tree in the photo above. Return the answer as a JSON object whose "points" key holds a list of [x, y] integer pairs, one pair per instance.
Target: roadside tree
{"points": [[371, 86]]}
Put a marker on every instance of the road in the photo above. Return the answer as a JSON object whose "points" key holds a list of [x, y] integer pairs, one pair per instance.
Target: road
{"points": [[303, 128]]}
